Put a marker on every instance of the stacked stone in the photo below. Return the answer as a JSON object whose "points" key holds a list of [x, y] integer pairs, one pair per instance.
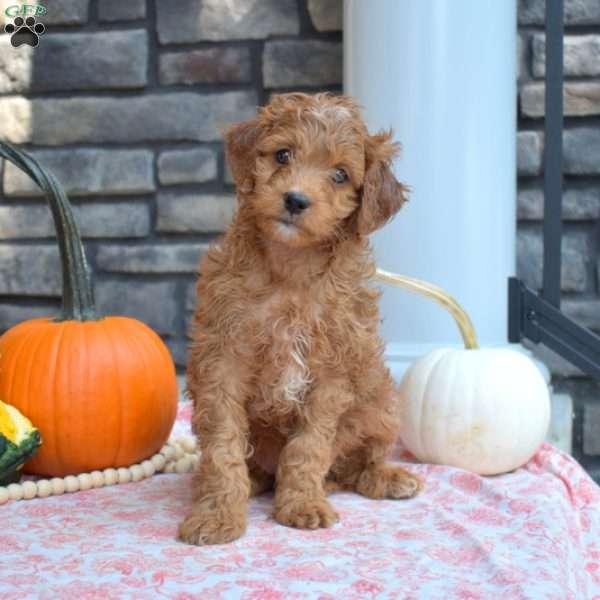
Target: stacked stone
{"points": [[581, 197], [125, 102]]}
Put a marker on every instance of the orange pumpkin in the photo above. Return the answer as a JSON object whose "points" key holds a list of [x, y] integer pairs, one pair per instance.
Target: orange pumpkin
{"points": [[101, 390]]}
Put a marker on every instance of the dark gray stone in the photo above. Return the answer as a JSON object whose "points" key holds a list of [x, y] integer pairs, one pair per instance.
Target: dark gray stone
{"points": [[117, 10], [227, 176], [581, 151], [131, 299], [530, 205], [112, 220], [66, 12], [30, 270], [84, 172], [12, 314], [25, 222], [591, 429], [216, 20], [575, 257], [326, 15], [187, 166], [96, 220], [584, 311], [197, 213], [190, 296], [188, 320], [158, 258], [531, 11], [207, 65], [522, 59], [179, 350], [293, 63], [577, 12], [91, 61], [172, 117], [529, 152], [581, 55], [581, 204], [529, 258], [577, 204], [582, 12], [557, 365], [581, 99]]}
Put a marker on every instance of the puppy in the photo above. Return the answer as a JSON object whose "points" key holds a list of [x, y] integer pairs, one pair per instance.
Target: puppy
{"points": [[286, 367]]}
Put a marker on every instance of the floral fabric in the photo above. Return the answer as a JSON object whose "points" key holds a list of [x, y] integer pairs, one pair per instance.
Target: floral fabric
{"points": [[534, 533]]}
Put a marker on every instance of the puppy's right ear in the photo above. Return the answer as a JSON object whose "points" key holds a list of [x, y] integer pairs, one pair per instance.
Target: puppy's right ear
{"points": [[240, 151], [382, 194]]}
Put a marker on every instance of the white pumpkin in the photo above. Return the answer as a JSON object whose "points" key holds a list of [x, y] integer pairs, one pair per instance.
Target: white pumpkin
{"points": [[486, 410]]}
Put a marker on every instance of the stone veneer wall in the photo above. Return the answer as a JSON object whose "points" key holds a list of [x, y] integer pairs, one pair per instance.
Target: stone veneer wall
{"points": [[580, 280], [125, 99]]}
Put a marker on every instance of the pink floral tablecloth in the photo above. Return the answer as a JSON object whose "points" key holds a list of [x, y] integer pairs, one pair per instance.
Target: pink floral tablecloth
{"points": [[534, 533]]}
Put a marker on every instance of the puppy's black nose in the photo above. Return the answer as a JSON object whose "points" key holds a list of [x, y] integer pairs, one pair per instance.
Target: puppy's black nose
{"points": [[295, 202]]}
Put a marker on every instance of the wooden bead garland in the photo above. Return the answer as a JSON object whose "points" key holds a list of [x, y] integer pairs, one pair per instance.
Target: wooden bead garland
{"points": [[176, 456]]}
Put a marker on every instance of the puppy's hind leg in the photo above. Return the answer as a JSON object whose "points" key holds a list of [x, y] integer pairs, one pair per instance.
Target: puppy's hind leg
{"points": [[367, 434], [365, 471]]}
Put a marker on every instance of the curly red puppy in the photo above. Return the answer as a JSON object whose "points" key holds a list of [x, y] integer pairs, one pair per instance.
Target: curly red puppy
{"points": [[286, 370]]}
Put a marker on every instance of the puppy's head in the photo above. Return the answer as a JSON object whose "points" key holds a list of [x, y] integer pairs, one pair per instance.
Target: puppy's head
{"points": [[310, 170]]}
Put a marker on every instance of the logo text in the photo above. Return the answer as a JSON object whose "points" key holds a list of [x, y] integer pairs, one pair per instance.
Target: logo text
{"points": [[36, 10]]}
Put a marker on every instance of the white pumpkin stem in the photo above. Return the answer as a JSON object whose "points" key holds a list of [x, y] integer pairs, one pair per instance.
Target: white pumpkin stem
{"points": [[443, 298]]}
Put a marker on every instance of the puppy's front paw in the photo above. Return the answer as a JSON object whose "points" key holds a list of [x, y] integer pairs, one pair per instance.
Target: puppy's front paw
{"points": [[387, 481], [402, 484], [211, 527], [307, 514]]}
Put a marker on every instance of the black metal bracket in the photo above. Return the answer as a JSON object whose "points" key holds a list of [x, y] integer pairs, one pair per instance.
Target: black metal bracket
{"points": [[532, 317]]}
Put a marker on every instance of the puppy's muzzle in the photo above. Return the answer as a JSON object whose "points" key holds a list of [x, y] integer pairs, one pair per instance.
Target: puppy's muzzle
{"points": [[295, 202]]}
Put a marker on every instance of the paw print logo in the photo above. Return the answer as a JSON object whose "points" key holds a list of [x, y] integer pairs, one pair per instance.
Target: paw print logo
{"points": [[26, 31]]}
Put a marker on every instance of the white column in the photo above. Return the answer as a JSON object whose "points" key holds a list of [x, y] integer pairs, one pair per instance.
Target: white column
{"points": [[442, 73]]}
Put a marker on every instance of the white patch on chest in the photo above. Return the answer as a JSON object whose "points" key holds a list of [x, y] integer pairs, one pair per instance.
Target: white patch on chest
{"points": [[285, 375], [296, 378]]}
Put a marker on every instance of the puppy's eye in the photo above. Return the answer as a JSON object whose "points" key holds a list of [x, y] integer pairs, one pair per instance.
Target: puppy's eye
{"points": [[340, 176], [283, 156]]}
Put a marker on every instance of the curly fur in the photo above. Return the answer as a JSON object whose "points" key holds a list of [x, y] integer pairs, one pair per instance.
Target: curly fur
{"points": [[286, 367]]}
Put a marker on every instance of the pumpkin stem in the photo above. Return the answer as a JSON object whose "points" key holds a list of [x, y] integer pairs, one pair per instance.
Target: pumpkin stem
{"points": [[459, 314], [78, 297]]}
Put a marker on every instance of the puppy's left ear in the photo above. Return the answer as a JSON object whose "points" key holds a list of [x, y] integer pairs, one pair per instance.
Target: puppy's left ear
{"points": [[382, 194], [240, 151]]}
